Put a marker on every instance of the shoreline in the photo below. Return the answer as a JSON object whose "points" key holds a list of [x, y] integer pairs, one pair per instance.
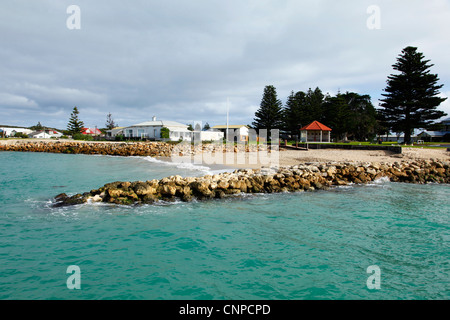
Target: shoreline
{"points": [[252, 169], [207, 156], [298, 178]]}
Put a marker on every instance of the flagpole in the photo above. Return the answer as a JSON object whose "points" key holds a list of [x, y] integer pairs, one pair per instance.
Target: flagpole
{"points": [[227, 121]]}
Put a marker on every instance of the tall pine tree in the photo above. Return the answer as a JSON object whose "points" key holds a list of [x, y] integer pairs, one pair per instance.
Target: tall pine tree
{"points": [[411, 96], [75, 125], [303, 108], [312, 110], [269, 115], [110, 124]]}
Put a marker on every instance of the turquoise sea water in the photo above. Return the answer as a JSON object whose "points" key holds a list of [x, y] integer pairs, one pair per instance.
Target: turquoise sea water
{"points": [[279, 246]]}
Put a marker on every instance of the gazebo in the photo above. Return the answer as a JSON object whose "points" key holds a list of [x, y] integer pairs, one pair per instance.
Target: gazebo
{"points": [[315, 132]]}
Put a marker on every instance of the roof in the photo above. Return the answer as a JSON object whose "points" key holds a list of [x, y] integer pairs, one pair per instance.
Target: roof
{"points": [[315, 126], [435, 133], [46, 132], [159, 123], [90, 131], [116, 129], [238, 126]]}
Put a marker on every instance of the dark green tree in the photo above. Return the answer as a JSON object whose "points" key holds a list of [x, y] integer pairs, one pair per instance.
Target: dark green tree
{"points": [[110, 124], [206, 127], [337, 116], [269, 115], [302, 108], [411, 96], [37, 127], [190, 128], [381, 127], [291, 113], [312, 108], [362, 120], [350, 115], [75, 124]]}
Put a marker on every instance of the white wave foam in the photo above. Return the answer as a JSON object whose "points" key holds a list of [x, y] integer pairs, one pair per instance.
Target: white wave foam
{"points": [[186, 166], [382, 180]]}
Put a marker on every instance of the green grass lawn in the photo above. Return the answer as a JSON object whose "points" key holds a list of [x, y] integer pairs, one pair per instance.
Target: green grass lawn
{"points": [[426, 145]]}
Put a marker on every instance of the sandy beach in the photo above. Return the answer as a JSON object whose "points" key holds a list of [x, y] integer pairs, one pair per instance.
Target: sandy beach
{"points": [[295, 157], [292, 157]]}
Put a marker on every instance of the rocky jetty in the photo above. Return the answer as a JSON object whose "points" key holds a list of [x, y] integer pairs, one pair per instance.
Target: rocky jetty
{"points": [[304, 177], [153, 149], [103, 148]]}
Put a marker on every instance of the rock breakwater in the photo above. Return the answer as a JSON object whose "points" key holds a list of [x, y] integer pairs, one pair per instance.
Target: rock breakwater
{"points": [[304, 177], [153, 149], [103, 148]]}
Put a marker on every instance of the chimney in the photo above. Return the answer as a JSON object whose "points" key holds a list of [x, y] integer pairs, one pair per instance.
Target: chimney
{"points": [[154, 118]]}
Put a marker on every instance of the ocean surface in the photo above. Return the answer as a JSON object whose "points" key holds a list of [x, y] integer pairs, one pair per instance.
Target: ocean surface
{"points": [[291, 246]]}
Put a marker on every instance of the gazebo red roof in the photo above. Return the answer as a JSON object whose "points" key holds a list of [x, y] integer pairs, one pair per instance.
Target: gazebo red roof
{"points": [[315, 126]]}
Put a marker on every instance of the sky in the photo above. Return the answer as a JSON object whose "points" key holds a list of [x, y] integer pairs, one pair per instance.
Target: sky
{"points": [[188, 61]]}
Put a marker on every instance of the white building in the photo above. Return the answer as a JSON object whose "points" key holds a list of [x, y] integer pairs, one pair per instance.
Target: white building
{"points": [[315, 132], [208, 135], [235, 132], [10, 132], [111, 134], [152, 130], [45, 134], [398, 137]]}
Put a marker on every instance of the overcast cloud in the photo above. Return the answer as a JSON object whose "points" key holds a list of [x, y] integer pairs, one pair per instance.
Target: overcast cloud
{"points": [[181, 60]]}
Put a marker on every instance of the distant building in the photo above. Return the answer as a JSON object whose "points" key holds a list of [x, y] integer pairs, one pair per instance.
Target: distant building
{"points": [[446, 124], [398, 137], [10, 132], [437, 136], [113, 133], [45, 134], [209, 135], [315, 132], [235, 132]]}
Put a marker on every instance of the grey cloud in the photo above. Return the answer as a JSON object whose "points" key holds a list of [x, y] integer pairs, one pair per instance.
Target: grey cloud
{"points": [[180, 60]]}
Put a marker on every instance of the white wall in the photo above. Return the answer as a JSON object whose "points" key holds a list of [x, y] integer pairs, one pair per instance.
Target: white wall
{"points": [[143, 132], [154, 132], [208, 135], [8, 131], [243, 131]]}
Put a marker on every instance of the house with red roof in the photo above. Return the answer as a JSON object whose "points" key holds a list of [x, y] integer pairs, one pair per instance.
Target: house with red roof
{"points": [[315, 132], [91, 131]]}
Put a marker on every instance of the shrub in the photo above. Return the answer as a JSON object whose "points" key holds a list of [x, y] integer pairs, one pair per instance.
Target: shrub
{"points": [[119, 137], [20, 135], [80, 136], [165, 133]]}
